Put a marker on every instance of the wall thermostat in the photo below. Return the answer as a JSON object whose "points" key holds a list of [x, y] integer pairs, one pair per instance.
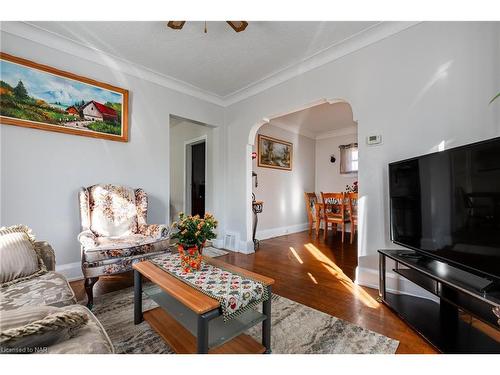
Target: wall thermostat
{"points": [[373, 140]]}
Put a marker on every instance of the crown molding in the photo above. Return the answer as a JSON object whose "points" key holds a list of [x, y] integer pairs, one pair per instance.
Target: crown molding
{"points": [[349, 130], [304, 132], [39, 35], [356, 42], [345, 47]]}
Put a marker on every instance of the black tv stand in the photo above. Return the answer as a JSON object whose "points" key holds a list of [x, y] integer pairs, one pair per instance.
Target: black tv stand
{"points": [[493, 286], [459, 293], [410, 255]]}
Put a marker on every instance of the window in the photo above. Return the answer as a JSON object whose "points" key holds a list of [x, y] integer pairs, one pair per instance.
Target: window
{"points": [[349, 158]]}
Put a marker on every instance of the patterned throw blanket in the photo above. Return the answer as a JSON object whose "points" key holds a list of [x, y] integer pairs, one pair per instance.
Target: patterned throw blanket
{"points": [[234, 292]]}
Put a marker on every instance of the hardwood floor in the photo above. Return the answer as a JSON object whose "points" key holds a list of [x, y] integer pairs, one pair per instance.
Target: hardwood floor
{"points": [[315, 273]]}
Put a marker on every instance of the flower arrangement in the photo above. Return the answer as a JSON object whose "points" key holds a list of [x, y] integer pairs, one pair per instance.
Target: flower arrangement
{"points": [[352, 188], [192, 233], [194, 230]]}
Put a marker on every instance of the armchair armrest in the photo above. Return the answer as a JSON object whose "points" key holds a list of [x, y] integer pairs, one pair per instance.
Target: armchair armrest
{"points": [[157, 231], [87, 239], [47, 253]]}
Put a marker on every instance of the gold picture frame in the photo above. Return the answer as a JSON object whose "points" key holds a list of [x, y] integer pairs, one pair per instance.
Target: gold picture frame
{"points": [[274, 153], [38, 96]]}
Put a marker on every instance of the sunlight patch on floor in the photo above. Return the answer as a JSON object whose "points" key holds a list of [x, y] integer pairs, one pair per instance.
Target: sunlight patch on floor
{"points": [[296, 255], [312, 278], [337, 272]]}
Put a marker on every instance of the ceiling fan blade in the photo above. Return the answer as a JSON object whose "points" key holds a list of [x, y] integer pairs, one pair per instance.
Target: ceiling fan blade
{"points": [[177, 25], [238, 25]]}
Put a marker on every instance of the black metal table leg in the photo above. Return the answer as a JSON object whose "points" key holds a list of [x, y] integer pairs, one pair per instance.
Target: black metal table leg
{"points": [[137, 297], [202, 335], [381, 275], [202, 330], [266, 324]]}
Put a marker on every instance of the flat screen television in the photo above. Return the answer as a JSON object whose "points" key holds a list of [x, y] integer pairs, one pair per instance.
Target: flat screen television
{"points": [[447, 205]]}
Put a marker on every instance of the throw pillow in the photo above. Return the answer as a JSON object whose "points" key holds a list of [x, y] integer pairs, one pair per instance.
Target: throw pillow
{"points": [[19, 259], [29, 330]]}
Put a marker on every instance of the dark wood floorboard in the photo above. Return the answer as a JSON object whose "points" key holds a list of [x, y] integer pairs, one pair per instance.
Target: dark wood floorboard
{"points": [[315, 273]]}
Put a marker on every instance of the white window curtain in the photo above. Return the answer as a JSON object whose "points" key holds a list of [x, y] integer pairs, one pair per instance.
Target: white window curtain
{"points": [[349, 158]]}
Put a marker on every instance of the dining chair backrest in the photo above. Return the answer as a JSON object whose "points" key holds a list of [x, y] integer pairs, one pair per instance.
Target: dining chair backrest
{"points": [[311, 200], [334, 204], [352, 202]]}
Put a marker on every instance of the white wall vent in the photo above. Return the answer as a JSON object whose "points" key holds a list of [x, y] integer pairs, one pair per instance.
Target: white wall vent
{"points": [[230, 241]]}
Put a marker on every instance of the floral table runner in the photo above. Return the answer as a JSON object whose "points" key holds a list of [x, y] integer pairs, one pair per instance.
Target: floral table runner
{"points": [[234, 292]]}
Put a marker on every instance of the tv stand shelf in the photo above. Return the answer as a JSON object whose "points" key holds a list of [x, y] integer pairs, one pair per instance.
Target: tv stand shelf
{"points": [[440, 322]]}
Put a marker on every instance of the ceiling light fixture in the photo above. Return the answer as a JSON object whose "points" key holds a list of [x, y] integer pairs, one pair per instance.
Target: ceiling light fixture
{"points": [[177, 25], [237, 26]]}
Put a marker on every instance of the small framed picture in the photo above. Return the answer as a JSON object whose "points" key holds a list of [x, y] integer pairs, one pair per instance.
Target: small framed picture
{"points": [[274, 153]]}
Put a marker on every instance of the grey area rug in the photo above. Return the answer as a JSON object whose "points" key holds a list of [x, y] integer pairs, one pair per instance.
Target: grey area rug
{"points": [[296, 329]]}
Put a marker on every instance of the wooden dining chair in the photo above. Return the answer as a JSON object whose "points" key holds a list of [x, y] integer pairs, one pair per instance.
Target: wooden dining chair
{"points": [[334, 211], [314, 212], [352, 202]]}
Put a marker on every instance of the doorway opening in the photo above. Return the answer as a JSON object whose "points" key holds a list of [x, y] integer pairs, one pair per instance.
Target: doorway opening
{"points": [[190, 165], [319, 161], [196, 176]]}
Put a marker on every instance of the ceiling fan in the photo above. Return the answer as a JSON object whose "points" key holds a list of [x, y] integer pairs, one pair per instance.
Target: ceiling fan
{"points": [[235, 25]]}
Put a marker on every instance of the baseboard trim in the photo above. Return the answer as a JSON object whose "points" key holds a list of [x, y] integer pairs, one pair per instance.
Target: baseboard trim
{"points": [[281, 231], [394, 283], [71, 271]]}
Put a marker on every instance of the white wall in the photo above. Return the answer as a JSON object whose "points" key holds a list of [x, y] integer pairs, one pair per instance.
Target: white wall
{"points": [[180, 134], [328, 177], [427, 84], [42, 171], [283, 191]]}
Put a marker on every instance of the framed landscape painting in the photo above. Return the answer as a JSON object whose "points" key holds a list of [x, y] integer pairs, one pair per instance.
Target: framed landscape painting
{"points": [[274, 153], [38, 96]]}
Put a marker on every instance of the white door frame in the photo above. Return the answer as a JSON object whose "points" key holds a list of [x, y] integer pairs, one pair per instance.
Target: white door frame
{"points": [[187, 170]]}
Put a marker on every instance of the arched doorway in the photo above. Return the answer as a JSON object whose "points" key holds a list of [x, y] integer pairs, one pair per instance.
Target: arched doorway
{"points": [[316, 123]]}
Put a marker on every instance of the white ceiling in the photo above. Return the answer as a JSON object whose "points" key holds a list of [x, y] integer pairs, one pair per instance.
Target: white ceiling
{"points": [[220, 62], [319, 121]]}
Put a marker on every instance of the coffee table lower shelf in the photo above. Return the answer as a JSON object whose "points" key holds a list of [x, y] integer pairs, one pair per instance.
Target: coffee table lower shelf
{"points": [[184, 342]]}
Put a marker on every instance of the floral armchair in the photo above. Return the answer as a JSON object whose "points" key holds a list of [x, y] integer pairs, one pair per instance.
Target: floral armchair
{"points": [[114, 232]]}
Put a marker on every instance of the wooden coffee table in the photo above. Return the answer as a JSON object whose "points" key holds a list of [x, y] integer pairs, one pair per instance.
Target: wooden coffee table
{"points": [[191, 321]]}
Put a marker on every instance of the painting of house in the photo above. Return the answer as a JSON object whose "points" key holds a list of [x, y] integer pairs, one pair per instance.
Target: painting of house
{"points": [[96, 111], [41, 97]]}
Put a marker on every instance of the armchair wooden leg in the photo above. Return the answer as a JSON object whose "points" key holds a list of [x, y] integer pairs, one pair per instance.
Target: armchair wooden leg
{"points": [[89, 286], [343, 232]]}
